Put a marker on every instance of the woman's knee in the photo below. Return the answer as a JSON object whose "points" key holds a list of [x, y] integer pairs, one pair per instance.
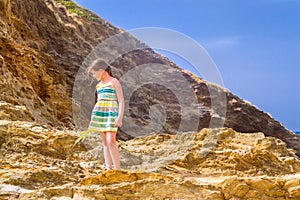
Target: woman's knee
{"points": [[104, 139], [110, 139]]}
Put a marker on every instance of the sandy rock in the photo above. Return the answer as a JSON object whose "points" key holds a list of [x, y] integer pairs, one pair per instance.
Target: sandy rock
{"points": [[39, 162]]}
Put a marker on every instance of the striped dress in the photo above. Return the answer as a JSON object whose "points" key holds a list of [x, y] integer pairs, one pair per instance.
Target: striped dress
{"points": [[106, 109]]}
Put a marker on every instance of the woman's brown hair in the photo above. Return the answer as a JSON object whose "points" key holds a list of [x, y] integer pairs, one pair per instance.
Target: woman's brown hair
{"points": [[100, 64]]}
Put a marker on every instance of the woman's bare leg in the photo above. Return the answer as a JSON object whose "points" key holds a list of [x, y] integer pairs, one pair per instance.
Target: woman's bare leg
{"points": [[113, 148], [106, 152]]}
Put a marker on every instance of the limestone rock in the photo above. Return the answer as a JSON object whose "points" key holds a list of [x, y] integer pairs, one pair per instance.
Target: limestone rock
{"points": [[39, 162]]}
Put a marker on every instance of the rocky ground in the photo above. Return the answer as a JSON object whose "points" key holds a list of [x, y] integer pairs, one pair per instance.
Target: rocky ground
{"points": [[39, 162]]}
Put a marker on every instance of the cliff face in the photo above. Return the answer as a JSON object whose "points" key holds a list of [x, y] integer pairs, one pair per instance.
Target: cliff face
{"points": [[45, 43], [41, 51], [43, 47]]}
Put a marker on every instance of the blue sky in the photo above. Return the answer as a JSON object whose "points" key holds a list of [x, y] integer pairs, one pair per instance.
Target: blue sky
{"points": [[255, 44]]}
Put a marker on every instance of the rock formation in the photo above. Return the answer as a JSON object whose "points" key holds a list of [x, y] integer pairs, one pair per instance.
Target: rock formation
{"points": [[45, 47], [39, 162]]}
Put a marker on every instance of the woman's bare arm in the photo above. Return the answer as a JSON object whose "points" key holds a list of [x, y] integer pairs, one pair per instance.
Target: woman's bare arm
{"points": [[120, 97]]}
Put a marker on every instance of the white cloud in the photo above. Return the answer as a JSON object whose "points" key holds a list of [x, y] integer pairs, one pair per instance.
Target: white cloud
{"points": [[221, 42]]}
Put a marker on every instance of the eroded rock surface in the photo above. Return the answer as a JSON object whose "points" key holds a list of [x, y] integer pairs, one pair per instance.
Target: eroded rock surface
{"points": [[39, 162]]}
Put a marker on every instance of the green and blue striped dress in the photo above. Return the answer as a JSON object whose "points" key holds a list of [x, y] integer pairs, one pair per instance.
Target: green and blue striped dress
{"points": [[106, 109]]}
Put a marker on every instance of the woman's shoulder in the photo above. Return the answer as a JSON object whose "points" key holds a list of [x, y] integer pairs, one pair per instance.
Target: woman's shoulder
{"points": [[114, 82]]}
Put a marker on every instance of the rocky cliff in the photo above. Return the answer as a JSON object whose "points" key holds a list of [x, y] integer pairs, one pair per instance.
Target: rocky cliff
{"points": [[45, 47], [44, 44]]}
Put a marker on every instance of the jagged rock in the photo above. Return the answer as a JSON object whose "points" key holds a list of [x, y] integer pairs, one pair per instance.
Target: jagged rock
{"points": [[9, 111], [39, 162]]}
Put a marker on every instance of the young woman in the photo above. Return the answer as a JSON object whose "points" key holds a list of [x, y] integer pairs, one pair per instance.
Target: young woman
{"points": [[108, 111]]}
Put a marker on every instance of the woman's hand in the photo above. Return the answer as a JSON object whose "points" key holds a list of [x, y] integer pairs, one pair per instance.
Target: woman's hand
{"points": [[118, 122]]}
